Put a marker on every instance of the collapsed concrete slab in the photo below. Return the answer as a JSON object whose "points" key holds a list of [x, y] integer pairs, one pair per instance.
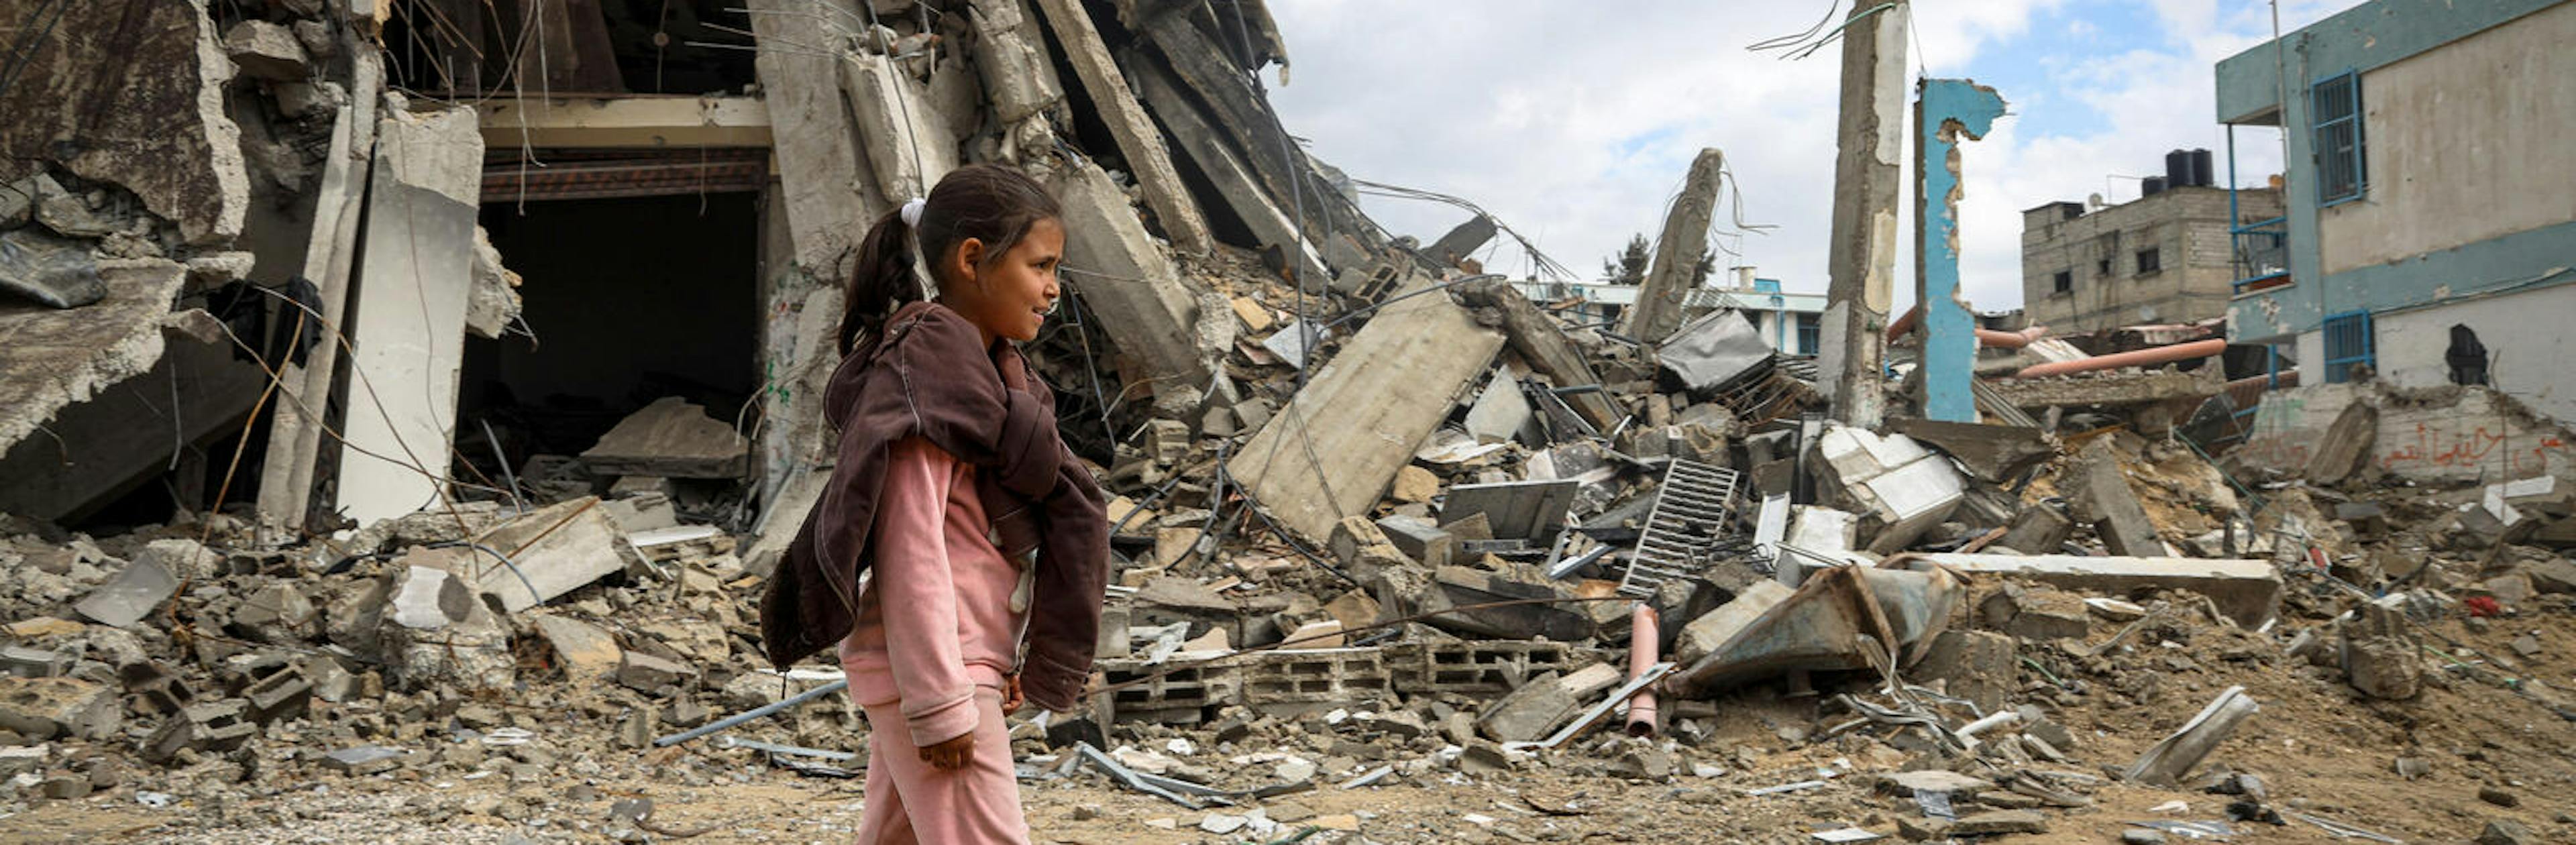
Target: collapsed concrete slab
{"points": [[2247, 591], [908, 147], [1335, 447], [59, 357], [553, 550], [670, 438], [1900, 488], [1997, 453], [149, 82]]}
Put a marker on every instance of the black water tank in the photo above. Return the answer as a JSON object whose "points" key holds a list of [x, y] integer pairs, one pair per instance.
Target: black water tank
{"points": [[2202, 173], [2153, 186], [2178, 169]]}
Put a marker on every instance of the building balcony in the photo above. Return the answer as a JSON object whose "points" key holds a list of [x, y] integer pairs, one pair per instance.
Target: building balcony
{"points": [[2261, 255]]}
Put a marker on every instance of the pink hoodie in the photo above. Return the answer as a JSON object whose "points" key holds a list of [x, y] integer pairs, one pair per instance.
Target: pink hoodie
{"points": [[942, 611]]}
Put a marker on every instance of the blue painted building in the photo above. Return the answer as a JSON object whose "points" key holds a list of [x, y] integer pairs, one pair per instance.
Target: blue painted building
{"points": [[2430, 231]]}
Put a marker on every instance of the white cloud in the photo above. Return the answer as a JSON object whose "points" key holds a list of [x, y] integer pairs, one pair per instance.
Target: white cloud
{"points": [[1574, 124]]}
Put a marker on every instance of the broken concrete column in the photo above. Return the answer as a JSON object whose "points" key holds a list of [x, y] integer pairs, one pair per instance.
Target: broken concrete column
{"points": [[1151, 319], [1541, 341], [2247, 591], [1677, 252], [167, 137], [908, 148], [2103, 499], [1332, 451], [1461, 242], [1138, 140], [1714, 628], [407, 328], [1019, 77], [829, 190], [1948, 110], [1867, 176], [1205, 144]]}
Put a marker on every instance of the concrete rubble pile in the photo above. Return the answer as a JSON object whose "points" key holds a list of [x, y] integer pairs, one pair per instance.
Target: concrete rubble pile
{"points": [[1380, 519]]}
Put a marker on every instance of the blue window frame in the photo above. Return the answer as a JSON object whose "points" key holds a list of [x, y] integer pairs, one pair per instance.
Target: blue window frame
{"points": [[1810, 331], [2348, 342], [2334, 107]]}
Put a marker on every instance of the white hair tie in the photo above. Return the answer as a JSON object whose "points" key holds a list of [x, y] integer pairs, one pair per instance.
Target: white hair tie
{"points": [[912, 211]]}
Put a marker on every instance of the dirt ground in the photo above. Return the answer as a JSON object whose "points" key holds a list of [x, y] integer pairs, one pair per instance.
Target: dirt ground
{"points": [[2320, 748]]}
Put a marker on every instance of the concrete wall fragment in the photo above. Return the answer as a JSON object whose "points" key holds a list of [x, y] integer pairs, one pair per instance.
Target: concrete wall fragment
{"points": [[132, 93]]}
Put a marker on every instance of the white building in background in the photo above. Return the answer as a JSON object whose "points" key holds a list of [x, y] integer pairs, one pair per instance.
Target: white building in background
{"points": [[1793, 323]]}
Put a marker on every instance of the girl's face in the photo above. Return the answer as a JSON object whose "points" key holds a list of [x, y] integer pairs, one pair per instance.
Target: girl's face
{"points": [[1010, 297]]}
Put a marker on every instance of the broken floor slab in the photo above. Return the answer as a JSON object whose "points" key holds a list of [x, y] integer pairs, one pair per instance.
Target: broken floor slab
{"points": [[1822, 625], [2247, 591], [1335, 447], [1991, 452], [58, 357], [552, 551], [670, 438]]}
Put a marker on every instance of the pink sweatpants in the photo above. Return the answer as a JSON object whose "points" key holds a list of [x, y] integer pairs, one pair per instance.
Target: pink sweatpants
{"points": [[910, 801]]}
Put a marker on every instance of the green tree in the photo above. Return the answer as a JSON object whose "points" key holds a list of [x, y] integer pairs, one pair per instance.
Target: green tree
{"points": [[1629, 266]]}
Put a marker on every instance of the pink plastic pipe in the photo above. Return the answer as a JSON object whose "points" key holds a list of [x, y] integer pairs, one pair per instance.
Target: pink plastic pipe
{"points": [[1643, 637], [2131, 358]]}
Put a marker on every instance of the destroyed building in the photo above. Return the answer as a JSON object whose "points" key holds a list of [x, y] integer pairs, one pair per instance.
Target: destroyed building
{"points": [[406, 403]]}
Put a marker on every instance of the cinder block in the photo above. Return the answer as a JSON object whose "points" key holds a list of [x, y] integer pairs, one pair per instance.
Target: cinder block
{"points": [[1329, 674], [1171, 695], [1479, 668]]}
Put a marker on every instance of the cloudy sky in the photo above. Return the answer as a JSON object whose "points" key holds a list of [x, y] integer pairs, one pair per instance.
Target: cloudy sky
{"points": [[1573, 123]]}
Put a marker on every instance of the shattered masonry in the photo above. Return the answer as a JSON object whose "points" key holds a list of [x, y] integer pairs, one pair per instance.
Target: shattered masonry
{"points": [[396, 430]]}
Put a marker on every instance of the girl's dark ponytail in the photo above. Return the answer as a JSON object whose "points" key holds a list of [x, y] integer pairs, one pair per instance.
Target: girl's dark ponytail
{"points": [[882, 280]]}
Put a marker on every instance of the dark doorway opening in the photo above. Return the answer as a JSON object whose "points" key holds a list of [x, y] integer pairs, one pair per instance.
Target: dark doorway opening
{"points": [[624, 301]]}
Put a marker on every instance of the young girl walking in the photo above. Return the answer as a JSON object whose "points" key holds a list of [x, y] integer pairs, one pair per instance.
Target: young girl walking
{"points": [[985, 539]]}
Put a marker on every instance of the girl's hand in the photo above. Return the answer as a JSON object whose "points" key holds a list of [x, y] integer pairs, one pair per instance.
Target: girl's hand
{"points": [[952, 754], [1012, 700]]}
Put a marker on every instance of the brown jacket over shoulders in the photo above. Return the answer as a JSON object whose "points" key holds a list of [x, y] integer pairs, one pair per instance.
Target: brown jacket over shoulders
{"points": [[927, 374]]}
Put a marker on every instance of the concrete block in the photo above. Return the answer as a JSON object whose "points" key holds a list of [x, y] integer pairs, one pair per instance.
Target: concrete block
{"points": [[671, 438], [2037, 529], [1311, 675], [647, 673], [2247, 591], [2103, 499], [1528, 713], [1478, 667], [1414, 484], [2379, 657], [560, 548], [68, 708], [1419, 539], [266, 50], [1975, 665], [283, 694], [159, 687], [135, 593], [25, 662], [585, 652], [278, 613], [1179, 696], [433, 631], [1712, 629], [1501, 413]]}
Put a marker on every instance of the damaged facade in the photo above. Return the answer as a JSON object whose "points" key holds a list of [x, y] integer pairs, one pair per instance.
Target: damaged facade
{"points": [[494, 376]]}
